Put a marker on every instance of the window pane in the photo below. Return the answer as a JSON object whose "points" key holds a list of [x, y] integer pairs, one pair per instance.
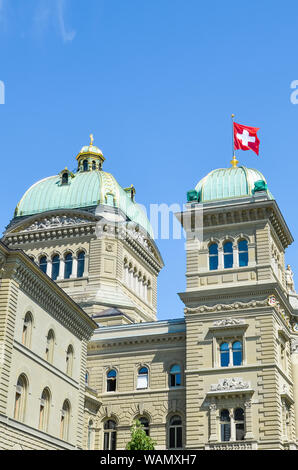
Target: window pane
{"points": [[81, 264], [142, 381], [243, 245], [239, 414], [225, 416], [55, 267], [178, 380], [225, 431], [172, 438], [213, 249], [228, 261], [224, 355], [112, 374], [43, 264], [175, 421], [243, 259], [175, 368], [213, 263], [106, 441], [179, 437], [68, 266], [240, 432], [237, 353], [228, 247], [113, 440]]}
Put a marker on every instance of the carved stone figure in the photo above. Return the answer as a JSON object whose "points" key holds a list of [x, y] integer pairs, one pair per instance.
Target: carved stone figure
{"points": [[289, 279], [229, 322], [234, 383]]}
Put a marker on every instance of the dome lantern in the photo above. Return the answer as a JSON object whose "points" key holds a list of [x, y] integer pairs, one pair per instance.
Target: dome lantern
{"points": [[90, 157]]}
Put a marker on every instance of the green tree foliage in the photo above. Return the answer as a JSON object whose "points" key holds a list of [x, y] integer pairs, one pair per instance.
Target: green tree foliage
{"points": [[139, 439]]}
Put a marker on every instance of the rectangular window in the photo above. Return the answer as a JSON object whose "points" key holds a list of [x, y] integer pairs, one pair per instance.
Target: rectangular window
{"points": [[240, 432], [142, 381], [225, 430]]}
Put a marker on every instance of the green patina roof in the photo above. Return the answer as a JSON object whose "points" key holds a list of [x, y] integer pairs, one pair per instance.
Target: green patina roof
{"points": [[85, 189], [227, 183]]}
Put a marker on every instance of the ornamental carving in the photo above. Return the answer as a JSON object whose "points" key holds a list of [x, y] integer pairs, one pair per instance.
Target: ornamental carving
{"points": [[229, 322], [294, 346], [55, 222], [234, 383], [233, 306]]}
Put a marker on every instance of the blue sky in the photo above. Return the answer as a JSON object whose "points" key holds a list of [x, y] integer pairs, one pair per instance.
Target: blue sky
{"points": [[156, 82]]}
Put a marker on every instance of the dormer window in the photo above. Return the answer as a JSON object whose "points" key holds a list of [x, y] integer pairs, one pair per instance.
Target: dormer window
{"points": [[85, 165], [64, 178]]}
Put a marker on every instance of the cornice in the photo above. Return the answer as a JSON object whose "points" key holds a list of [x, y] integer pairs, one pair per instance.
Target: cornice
{"points": [[99, 344]]}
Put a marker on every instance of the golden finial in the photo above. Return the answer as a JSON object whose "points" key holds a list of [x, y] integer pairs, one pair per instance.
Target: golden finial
{"points": [[234, 162], [91, 140]]}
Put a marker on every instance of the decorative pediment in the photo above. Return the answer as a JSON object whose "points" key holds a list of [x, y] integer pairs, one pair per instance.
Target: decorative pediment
{"points": [[55, 222]]}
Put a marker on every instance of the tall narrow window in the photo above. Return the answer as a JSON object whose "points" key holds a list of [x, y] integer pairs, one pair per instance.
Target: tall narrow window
{"points": [[111, 380], [175, 376], [243, 253], [68, 266], [145, 423], [225, 425], [93, 165], [228, 255], [55, 267], [87, 378], [85, 165], [237, 353], [142, 381], [224, 355], [90, 435], [44, 410], [21, 398], [239, 424], [69, 360], [110, 435], [27, 330], [43, 264], [64, 421], [81, 264], [175, 433], [213, 257], [49, 354]]}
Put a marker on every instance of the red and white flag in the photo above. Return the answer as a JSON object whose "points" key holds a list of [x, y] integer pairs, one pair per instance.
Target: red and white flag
{"points": [[245, 138]]}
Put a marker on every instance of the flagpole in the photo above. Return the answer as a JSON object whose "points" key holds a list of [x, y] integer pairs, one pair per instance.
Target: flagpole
{"points": [[234, 162]]}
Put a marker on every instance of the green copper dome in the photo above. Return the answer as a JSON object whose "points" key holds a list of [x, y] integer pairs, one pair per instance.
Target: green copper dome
{"points": [[81, 190], [228, 183]]}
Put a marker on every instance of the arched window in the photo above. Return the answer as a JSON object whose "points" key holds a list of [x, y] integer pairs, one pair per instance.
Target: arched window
{"points": [[175, 376], [243, 253], [85, 165], [64, 178], [225, 425], [224, 354], [90, 443], [111, 380], [228, 255], [239, 424], [213, 257], [64, 421], [43, 264], [175, 433], [27, 330], [93, 165], [55, 267], [50, 346], [142, 380], [110, 435], [237, 353], [21, 398], [69, 360], [68, 266], [81, 264], [44, 410], [145, 423]]}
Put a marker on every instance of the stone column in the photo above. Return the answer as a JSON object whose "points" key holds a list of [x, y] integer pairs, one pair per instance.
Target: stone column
{"points": [[248, 420], [86, 266], [233, 428], [74, 273], [213, 423], [235, 256], [220, 258], [61, 269]]}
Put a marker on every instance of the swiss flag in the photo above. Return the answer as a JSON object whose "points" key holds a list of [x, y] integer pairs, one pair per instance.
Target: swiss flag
{"points": [[245, 138]]}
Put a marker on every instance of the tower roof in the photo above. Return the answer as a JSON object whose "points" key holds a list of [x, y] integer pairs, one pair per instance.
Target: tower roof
{"points": [[229, 183]]}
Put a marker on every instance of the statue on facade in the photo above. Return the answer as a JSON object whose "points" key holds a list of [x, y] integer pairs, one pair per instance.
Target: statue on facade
{"points": [[289, 279]]}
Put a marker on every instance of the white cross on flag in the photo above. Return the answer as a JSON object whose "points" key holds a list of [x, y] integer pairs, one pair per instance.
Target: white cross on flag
{"points": [[245, 138]]}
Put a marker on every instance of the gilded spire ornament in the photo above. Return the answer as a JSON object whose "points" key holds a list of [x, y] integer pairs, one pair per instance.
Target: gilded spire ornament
{"points": [[91, 140]]}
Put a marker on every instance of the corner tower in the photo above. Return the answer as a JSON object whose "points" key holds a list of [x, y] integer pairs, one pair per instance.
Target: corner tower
{"points": [[239, 317], [89, 235]]}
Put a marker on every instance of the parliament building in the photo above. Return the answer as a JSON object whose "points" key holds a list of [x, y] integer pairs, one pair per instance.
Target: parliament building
{"points": [[82, 353]]}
